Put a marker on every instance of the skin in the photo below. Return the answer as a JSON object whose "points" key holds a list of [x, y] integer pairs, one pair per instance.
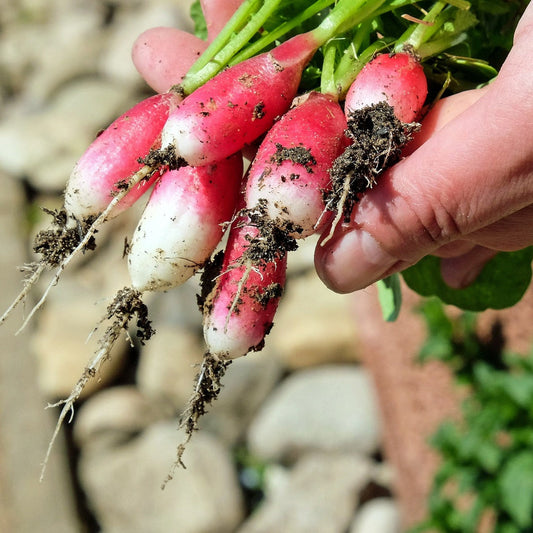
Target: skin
{"points": [[463, 192]]}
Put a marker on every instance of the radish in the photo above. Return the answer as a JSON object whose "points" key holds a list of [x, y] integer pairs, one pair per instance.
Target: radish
{"points": [[239, 104], [114, 156], [289, 174], [238, 302], [239, 307], [381, 104], [397, 79], [183, 223]]}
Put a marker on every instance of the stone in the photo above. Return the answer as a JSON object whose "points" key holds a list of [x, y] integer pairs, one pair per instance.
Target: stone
{"points": [[313, 325], [114, 415], [319, 494], [378, 515], [325, 408], [168, 365], [246, 384], [123, 485], [45, 145], [116, 61]]}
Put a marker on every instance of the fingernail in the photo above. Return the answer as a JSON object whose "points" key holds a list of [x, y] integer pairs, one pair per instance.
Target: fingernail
{"points": [[352, 262]]}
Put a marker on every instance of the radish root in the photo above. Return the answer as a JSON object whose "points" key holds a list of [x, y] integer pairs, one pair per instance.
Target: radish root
{"points": [[124, 307]]}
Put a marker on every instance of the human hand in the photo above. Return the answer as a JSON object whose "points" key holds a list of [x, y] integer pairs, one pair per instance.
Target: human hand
{"points": [[464, 192]]}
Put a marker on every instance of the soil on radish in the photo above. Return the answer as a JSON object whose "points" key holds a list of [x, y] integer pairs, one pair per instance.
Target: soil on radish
{"points": [[297, 154], [378, 138], [57, 243]]}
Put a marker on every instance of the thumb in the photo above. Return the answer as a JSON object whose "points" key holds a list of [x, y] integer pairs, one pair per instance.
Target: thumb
{"points": [[454, 183]]}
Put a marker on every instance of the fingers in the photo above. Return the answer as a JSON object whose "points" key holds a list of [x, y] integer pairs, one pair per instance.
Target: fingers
{"points": [[468, 174], [459, 272], [164, 55]]}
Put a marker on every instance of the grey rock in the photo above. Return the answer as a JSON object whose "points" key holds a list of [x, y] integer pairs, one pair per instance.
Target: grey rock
{"points": [[114, 415], [319, 494], [168, 365], [123, 485], [246, 384], [326, 408], [378, 515], [312, 330]]}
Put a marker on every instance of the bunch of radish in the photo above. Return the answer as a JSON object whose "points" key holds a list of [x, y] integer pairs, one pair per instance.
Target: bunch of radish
{"points": [[317, 153]]}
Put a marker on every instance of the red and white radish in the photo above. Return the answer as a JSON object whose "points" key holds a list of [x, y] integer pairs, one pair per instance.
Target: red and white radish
{"points": [[114, 156], [290, 172], [239, 309], [397, 79], [239, 104], [182, 223], [385, 98]]}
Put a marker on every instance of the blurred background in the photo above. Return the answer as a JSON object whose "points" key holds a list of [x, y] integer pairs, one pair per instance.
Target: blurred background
{"points": [[323, 431]]}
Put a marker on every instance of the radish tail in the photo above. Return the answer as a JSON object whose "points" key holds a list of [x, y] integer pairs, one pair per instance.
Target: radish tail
{"points": [[126, 304]]}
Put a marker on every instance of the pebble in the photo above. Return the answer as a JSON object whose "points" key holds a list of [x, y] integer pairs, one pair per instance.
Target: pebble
{"points": [[313, 325], [114, 415], [123, 484], [325, 408], [320, 494], [168, 365], [380, 515], [59, 342]]}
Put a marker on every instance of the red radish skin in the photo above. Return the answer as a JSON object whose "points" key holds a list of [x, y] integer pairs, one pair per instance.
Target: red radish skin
{"points": [[239, 104], [182, 223], [113, 157], [397, 79], [290, 171], [240, 308]]}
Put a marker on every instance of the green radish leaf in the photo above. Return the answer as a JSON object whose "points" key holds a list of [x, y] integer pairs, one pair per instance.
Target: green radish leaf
{"points": [[197, 15], [516, 485], [390, 297], [500, 284]]}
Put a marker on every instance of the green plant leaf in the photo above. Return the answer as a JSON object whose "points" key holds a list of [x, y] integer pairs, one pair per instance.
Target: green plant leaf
{"points": [[390, 297], [516, 485], [500, 284]]}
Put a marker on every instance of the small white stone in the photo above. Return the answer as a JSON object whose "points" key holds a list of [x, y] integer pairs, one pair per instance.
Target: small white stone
{"points": [[378, 515]]}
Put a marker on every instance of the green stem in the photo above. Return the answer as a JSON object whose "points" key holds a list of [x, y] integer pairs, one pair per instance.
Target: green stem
{"points": [[234, 25], [219, 61], [421, 36], [280, 31], [421, 32], [327, 80], [351, 65]]}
